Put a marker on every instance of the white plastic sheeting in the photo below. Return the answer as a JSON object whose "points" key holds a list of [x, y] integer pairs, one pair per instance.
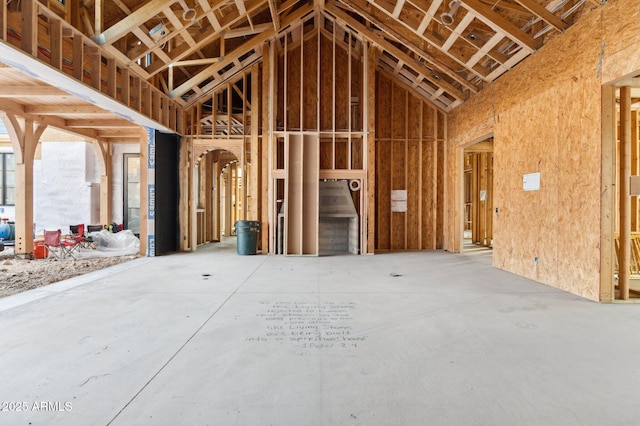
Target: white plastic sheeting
{"points": [[121, 243]]}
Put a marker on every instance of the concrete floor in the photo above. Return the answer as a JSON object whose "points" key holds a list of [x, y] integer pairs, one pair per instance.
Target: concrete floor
{"points": [[214, 338]]}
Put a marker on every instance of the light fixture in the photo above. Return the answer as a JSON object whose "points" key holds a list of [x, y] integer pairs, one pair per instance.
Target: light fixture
{"points": [[446, 18], [157, 32], [189, 15]]}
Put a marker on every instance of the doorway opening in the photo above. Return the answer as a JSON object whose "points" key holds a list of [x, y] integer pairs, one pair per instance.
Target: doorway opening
{"points": [[131, 189], [478, 196], [620, 209], [218, 195]]}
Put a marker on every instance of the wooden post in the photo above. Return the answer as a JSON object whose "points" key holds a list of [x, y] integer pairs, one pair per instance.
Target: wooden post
{"points": [[185, 167], [211, 194], [607, 197], [475, 199], [624, 261], [216, 201], [193, 208], [31, 134], [29, 28], [268, 101], [634, 168], [98, 16], [255, 152], [105, 184], [369, 117], [228, 203]]}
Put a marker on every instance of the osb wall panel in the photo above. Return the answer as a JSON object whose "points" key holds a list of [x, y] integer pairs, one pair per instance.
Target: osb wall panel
{"points": [[342, 102], [622, 38], [383, 109], [310, 85], [294, 78], [326, 89], [383, 194], [409, 158], [545, 117], [398, 182]]}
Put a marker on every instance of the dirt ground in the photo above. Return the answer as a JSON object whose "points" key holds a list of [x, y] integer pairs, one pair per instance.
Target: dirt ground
{"points": [[18, 275]]}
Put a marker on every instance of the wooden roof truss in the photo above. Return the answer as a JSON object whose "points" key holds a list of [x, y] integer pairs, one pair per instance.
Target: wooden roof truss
{"points": [[166, 53], [445, 49]]}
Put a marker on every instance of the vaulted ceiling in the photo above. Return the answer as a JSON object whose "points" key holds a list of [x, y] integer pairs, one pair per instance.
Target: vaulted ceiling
{"points": [[446, 49]]}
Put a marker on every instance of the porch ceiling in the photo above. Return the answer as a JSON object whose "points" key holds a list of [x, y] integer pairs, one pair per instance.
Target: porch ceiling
{"points": [[31, 98]]}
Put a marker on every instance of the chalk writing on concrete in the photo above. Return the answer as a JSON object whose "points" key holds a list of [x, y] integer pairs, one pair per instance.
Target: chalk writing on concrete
{"points": [[319, 325]]}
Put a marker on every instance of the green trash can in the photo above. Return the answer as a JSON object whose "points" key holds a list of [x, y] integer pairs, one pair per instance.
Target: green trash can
{"points": [[247, 236]]}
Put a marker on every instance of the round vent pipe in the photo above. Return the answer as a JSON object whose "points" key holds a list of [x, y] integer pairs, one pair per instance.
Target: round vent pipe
{"points": [[446, 18]]}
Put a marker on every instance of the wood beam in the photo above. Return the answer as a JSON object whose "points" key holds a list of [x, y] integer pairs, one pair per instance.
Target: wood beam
{"points": [[24, 134], [11, 107], [369, 118], [378, 39], [251, 44], [495, 20], [398, 9], [135, 19], [433, 8], [551, 19], [240, 5], [624, 260], [98, 16], [30, 91], [246, 31], [275, 18], [100, 124], [29, 24], [388, 31], [608, 194], [194, 62], [64, 109], [106, 187], [213, 20], [202, 39], [118, 133]]}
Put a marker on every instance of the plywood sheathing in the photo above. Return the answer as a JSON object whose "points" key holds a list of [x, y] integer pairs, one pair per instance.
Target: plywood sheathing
{"points": [[620, 33], [409, 157], [545, 116]]}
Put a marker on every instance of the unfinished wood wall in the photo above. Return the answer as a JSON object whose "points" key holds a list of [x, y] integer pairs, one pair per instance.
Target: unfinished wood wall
{"points": [[317, 126], [47, 35], [546, 117], [409, 156], [478, 196], [227, 123]]}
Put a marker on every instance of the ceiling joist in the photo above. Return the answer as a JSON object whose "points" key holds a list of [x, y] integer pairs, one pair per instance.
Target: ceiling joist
{"points": [[135, 19]]}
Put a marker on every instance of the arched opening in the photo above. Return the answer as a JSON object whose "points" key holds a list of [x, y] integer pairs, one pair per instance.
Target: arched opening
{"points": [[218, 195]]}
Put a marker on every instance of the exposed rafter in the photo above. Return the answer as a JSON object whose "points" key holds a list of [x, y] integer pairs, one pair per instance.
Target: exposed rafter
{"points": [[377, 38], [135, 19]]}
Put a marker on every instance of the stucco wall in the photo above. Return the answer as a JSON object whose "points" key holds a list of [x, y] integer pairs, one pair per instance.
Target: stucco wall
{"points": [[66, 186]]}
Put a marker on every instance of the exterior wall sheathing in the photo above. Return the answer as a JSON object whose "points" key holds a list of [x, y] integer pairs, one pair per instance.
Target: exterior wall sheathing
{"points": [[545, 116]]}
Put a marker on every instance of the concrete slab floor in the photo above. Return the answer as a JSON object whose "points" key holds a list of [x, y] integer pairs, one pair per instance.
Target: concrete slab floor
{"points": [[213, 338]]}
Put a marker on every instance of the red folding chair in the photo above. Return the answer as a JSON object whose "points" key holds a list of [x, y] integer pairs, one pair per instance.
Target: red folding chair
{"points": [[53, 245], [71, 243]]}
